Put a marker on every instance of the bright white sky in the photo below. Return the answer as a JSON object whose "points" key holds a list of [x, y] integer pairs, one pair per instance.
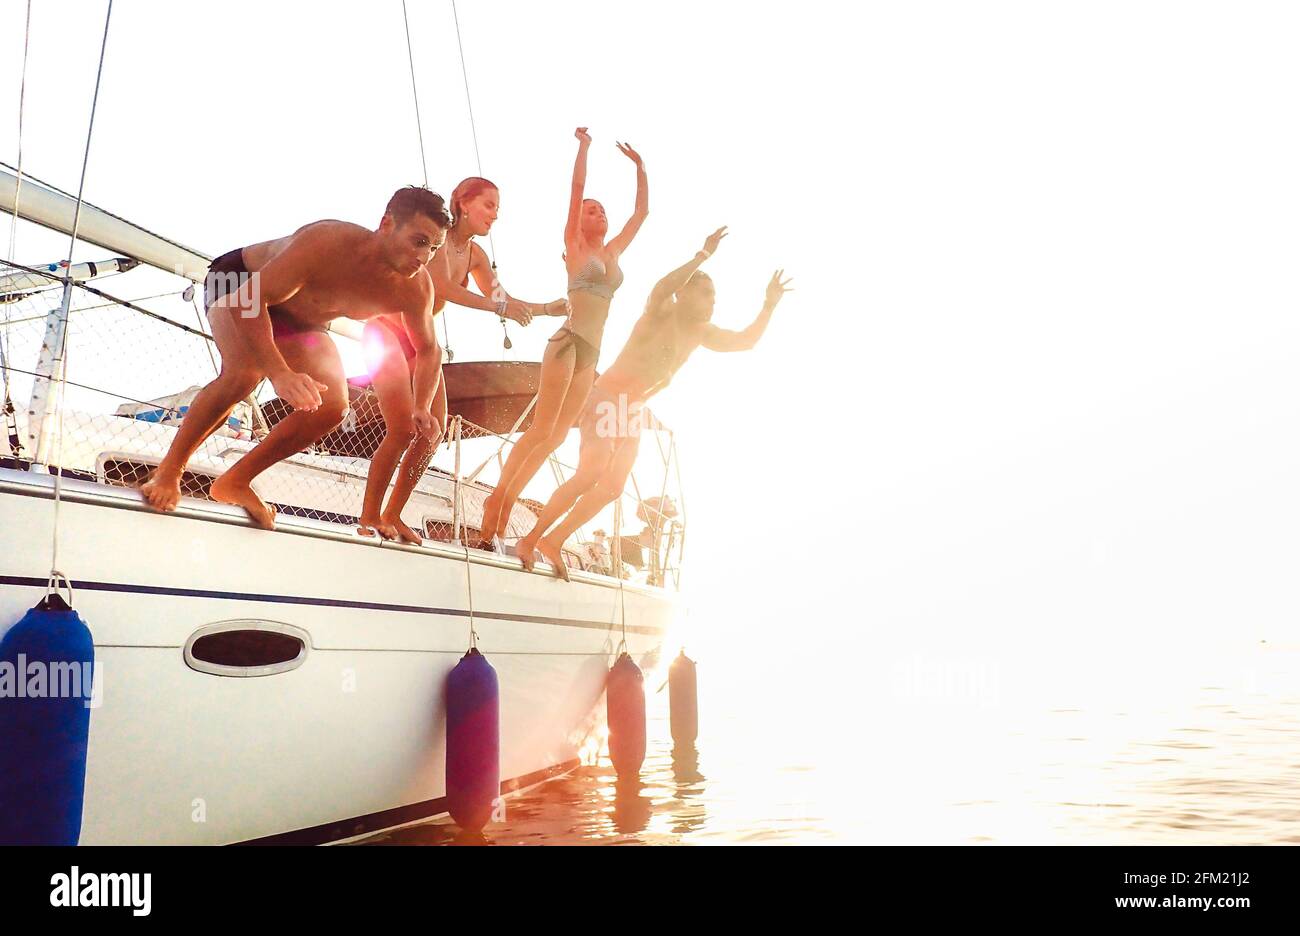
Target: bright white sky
{"points": [[1037, 383]]}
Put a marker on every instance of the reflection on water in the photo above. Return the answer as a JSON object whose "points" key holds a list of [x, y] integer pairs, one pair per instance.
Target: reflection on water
{"points": [[591, 805], [1198, 749]]}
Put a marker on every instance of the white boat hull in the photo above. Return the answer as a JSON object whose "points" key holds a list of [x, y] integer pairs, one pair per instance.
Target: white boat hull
{"points": [[352, 739]]}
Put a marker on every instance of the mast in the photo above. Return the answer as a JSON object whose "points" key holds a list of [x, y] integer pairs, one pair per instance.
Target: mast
{"points": [[43, 205]]}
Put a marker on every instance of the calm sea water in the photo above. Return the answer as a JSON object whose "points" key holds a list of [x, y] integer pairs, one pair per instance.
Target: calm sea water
{"points": [[1194, 746]]}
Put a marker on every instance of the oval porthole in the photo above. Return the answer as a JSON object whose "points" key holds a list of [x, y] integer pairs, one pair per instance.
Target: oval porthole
{"points": [[246, 648]]}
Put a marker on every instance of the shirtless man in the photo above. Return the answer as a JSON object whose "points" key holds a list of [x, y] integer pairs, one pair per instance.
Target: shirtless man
{"points": [[415, 416], [269, 306], [674, 324]]}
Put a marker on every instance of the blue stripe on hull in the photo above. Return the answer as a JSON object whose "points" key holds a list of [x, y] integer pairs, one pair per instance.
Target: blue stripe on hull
{"points": [[33, 582]]}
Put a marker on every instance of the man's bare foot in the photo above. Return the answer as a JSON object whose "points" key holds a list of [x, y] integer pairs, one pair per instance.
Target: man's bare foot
{"points": [[402, 532], [162, 491], [551, 553], [526, 550], [241, 495]]}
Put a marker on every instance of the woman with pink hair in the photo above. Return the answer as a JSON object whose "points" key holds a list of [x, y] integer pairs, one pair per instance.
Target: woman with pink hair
{"points": [[414, 426]]}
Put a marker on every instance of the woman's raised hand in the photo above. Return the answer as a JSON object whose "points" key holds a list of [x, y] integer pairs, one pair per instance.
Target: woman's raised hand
{"points": [[631, 154]]}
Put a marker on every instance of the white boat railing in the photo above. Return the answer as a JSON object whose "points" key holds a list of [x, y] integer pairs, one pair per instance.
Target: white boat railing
{"points": [[130, 368]]}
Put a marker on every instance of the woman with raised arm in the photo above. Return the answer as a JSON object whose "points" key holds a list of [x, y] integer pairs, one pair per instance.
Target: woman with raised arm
{"points": [[569, 363], [414, 411]]}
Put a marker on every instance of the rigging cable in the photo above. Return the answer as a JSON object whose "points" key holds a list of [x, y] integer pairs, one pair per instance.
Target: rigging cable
{"points": [[473, 128], [11, 417], [60, 363], [415, 94], [478, 161], [115, 300], [424, 162], [22, 98], [456, 430]]}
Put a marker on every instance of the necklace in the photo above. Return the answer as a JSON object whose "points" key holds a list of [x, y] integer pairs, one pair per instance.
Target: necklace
{"points": [[460, 251]]}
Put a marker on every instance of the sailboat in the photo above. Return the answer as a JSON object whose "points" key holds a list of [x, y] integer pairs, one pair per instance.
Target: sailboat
{"points": [[282, 686]]}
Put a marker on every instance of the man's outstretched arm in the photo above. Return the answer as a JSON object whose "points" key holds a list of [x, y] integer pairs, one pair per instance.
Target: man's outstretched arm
{"points": [[678, 278], [426, 369], [720, 339]]}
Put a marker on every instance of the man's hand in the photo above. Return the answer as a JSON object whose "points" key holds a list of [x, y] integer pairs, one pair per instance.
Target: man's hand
{"points": [[776, 289], [583, 137], [630, 154], [425, 424], [713, 240], [518, 311], [300, 391]]}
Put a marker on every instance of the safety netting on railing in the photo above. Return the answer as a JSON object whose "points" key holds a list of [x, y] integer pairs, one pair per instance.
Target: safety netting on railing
{"points": [[106, 409], [127, 372]]}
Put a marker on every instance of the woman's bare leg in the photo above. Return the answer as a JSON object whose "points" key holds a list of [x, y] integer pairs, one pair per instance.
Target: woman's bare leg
{"points": [[574, 400], [553, 386], [592, 462]]}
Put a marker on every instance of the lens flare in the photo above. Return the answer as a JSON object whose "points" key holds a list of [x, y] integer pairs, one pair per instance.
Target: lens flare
{"points": [[372, 346]]}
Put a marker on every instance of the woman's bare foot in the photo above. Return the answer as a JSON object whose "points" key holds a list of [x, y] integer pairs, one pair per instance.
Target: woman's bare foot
{"points": [[551, 553], [162, 491], [526, 550], [376, 526], [225, 491], [402, 532]]}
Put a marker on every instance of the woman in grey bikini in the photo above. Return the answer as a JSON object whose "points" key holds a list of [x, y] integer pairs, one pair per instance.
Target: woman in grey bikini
{"points": [[569, 364]]}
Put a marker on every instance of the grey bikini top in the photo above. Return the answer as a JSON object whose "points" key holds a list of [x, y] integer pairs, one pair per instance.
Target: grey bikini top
{"points": [[594, 278]]}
